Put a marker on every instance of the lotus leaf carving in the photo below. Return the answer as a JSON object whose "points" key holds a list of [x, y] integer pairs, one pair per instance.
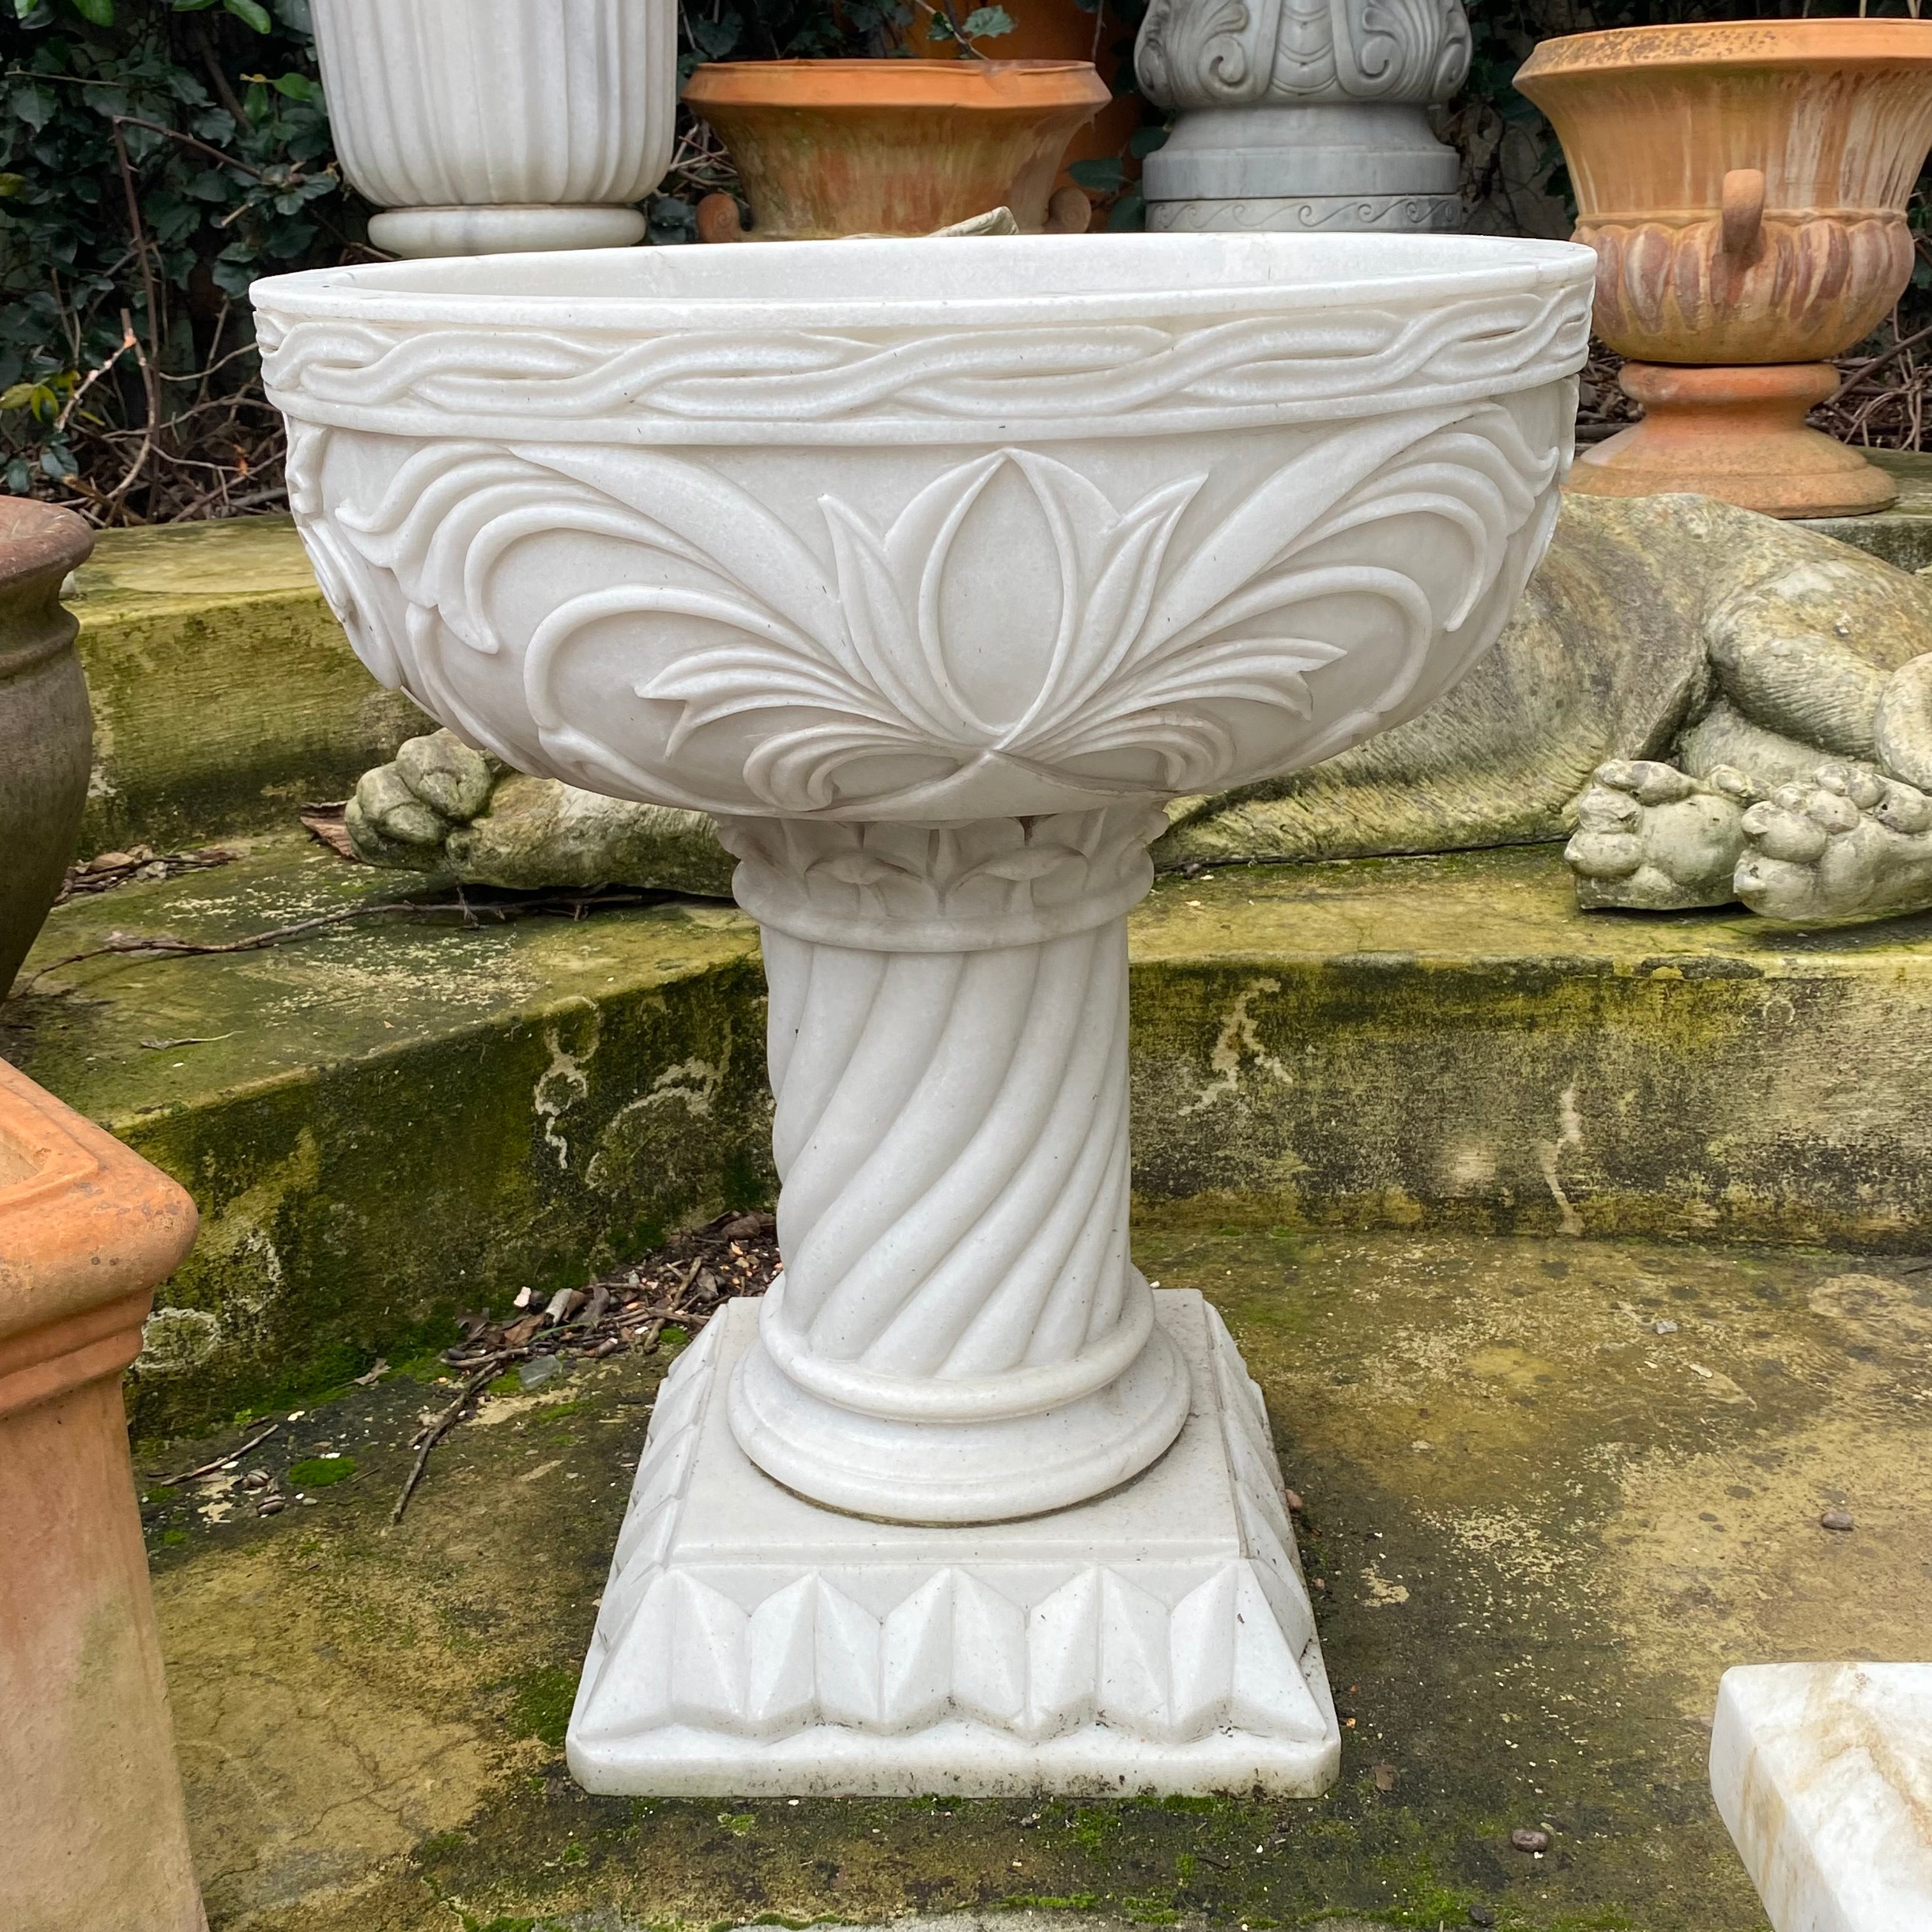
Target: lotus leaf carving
{"points": [[716, 656]]}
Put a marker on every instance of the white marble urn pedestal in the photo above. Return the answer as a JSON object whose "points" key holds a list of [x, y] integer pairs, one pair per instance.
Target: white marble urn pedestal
{"points": [[928, 568], [1303, 115]]}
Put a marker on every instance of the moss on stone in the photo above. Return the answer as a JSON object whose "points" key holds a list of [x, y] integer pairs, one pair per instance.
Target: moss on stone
{"points": [[1542, 1530], [391, 1120], [224, 693]]}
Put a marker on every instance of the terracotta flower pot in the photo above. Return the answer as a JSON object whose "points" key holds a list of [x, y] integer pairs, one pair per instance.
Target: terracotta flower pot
{"points": [[826, 148], [96, 1835], [46, 732], [1744, 187]]}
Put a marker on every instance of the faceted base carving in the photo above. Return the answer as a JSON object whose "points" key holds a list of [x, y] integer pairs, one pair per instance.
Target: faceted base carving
{"points": [[1406, 213], [1156, 1639]]}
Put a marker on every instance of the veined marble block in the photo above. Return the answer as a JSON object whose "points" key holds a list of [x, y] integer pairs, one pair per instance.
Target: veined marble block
{"points": [[1822, 1774]]}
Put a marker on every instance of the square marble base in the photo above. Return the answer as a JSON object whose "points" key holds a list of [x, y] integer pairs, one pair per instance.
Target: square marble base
{"points": [[1157, 1639], [1822, 1773]]}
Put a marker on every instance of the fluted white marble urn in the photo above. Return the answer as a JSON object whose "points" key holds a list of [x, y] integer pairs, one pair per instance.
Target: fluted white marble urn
{"points": [[479, 127], [930, 568], [1303, 115]]}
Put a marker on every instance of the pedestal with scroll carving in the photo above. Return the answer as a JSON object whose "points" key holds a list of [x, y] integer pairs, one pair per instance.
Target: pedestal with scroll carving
{"points": [[928, 568], [1303, 114]]}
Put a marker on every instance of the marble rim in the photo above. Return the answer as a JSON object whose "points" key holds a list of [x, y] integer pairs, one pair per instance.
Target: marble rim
{"points": [[888, 284]]}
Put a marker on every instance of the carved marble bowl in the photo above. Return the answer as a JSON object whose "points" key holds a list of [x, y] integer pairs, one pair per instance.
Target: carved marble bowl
{"points": [[917, 531], [929, 567]]}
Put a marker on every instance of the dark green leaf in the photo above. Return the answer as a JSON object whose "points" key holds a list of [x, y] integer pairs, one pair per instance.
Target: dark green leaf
{"points": [[251, 12], [1100, 177]]}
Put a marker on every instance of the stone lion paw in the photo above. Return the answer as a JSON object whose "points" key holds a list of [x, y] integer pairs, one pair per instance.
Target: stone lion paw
{"points": [[404, 812], [1652, 837], [1849, 846], [440, 807]]}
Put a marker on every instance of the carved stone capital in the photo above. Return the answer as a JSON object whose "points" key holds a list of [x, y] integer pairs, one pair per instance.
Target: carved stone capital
{"points": [[944, 889], [1218, 53]]}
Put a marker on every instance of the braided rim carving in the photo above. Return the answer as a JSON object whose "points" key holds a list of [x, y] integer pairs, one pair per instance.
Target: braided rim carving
{"points": [[805, 386]]}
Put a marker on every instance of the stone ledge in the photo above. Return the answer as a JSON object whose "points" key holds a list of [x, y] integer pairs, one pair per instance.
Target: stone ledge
{"points": [[224, 693], [1902, 535], [389, 1120]]}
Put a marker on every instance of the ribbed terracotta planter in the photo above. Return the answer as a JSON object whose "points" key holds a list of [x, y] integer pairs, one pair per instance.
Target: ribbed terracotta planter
{"points": [[1745, 186], [46, 729], [894, 147], [95, 1836]]}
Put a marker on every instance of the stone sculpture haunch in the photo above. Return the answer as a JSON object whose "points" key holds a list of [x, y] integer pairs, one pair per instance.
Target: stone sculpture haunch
{"points": [[1721, 706], [926, 571]]}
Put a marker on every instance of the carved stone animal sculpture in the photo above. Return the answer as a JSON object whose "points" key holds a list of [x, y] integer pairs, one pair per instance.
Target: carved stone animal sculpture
{"points": [[1744, 707]]}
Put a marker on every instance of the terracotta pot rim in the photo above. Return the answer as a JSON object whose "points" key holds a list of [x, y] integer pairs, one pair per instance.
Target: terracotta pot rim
{"points": [[39, 539], [1732, 44], [872, 84]]}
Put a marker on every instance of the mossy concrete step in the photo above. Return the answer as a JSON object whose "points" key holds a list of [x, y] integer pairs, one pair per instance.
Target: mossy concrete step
{"points": [[1543, 1530], [224, 693], [1902, 535], [391, 1118]]}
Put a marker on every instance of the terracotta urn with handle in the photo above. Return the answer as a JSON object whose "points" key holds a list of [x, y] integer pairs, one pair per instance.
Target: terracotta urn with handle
{"points": [[1744, 185]]}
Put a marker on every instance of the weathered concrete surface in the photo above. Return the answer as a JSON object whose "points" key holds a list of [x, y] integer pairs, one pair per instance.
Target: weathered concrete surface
{"points": [[224, 694], [1543, 1529], [1450, 1041], [1902, 535], [388, 1120], [391, 1119]]}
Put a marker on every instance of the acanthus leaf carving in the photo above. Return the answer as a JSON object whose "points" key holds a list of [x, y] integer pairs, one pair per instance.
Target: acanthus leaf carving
{"points": [[1227, 53]]}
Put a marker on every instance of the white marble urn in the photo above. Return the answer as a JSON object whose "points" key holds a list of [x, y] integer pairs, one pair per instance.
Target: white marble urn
{"points": [[482, 126], [930, 568], [1303, 114]]}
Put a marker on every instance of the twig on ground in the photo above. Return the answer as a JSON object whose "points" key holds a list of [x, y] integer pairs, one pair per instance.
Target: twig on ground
{"points": [[434, 1432], [220, 1462]]}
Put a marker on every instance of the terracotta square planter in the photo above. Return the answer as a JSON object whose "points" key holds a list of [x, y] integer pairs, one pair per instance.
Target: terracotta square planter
{"points": [[96, 1837]]}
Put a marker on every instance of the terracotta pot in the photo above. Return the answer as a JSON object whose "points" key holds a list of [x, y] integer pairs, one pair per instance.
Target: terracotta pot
{"points": [[46, 732], [894, 147], [96, 1832], [1062, 30], [1745, 186]]}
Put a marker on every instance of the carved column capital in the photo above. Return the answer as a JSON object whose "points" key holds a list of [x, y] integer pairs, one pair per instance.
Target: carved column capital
{"points": [[1224, 53], [968, 888]]}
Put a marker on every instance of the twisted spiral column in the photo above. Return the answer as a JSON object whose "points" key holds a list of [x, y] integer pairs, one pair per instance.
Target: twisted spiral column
{"points": [[958, 1335]]}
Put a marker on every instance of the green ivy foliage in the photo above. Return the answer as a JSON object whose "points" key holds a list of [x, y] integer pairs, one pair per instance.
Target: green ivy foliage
{"points": [[209, 119]]}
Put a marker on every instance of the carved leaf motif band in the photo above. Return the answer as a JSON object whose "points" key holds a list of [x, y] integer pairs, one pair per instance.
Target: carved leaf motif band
{"points": [[802, 691]]}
